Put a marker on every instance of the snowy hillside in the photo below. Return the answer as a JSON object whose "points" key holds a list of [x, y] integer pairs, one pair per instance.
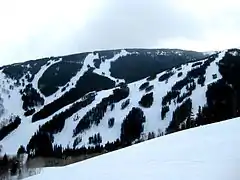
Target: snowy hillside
{"points": [[58, 82], [90, 103], [210, 153]]}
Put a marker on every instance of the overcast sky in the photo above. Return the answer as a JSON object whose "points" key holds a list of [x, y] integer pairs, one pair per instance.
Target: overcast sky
{"points": [[31, 29]]}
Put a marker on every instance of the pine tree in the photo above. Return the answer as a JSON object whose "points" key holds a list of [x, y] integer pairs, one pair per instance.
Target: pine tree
{"points": [[21, 150]]}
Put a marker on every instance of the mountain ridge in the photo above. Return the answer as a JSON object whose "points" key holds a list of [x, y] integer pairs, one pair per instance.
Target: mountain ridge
{"points": [[102, 105]]}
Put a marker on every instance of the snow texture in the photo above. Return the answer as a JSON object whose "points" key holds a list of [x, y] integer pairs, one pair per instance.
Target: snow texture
{"points": [[209, 152]]}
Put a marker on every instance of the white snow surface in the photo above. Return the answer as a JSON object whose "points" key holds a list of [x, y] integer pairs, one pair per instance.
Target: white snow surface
{"points": [[105, 67], [208, 152]]}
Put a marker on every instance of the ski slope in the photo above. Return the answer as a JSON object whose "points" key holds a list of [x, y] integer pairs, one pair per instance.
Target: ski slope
{"points": [[154, 122], [208, 152]]}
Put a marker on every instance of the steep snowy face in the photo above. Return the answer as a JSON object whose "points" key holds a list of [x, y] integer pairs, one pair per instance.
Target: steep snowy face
{"points": [[98, 98], [210, 153]]}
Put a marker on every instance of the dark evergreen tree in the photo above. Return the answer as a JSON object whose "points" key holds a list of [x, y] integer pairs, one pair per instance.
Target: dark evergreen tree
{"points": [[165, 76], [179, 116], [144, 86], [220, 101], [169, 97], [132, 126], [21, 150], [151, 135], [31, 98], [112, 107], [180, 74], [201, 80], [40, 144], [125, 104], [214, 76], [147, 100], [111, 122], [96, 139], [164, 111], [7, 129], [196, 64], [14, 168], [76, 142], [5, 160], [29, 112], [152, 77], [149, 88]]}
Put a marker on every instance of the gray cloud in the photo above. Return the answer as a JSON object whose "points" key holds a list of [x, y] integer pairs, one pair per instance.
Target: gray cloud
{"points": [[53, 28], [139, 24]]}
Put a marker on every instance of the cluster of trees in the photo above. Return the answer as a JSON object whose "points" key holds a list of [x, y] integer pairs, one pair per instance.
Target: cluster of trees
{"points": [[55, 125], [57, 151], [229, 67], [11, 126], [165, 76], [152, 77], [107, 54], [40, 144], [180, 74], [4, 164], [113, 145], [8, 164], [95, 140], [111, 122], [125, 104], [95, 115], [165, 110], [132, 126], [58, 74], [169, 97], [31, 98], [97, 63], [144, 86], [148, 62], [188, 81], [29, 112], [181, 113], [147, 100], [196, 64], [112, 106], [83, 151], [221, 104], [151, 135], [190, 87], [17, 71], [223, 101], [131, 130], [149, 88], [14, 167], [77, 141], [87, 83]]}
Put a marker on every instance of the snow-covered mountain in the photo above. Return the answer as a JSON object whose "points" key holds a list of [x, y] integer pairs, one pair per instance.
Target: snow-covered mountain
{"points": [[210, 153], [99, 98]]}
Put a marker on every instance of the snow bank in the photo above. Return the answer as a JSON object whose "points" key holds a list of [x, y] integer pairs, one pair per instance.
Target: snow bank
{"points": [[205, 153]]}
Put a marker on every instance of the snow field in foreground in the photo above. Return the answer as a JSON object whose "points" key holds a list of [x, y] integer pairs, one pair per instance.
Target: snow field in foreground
{"points": [[208, 152]]}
